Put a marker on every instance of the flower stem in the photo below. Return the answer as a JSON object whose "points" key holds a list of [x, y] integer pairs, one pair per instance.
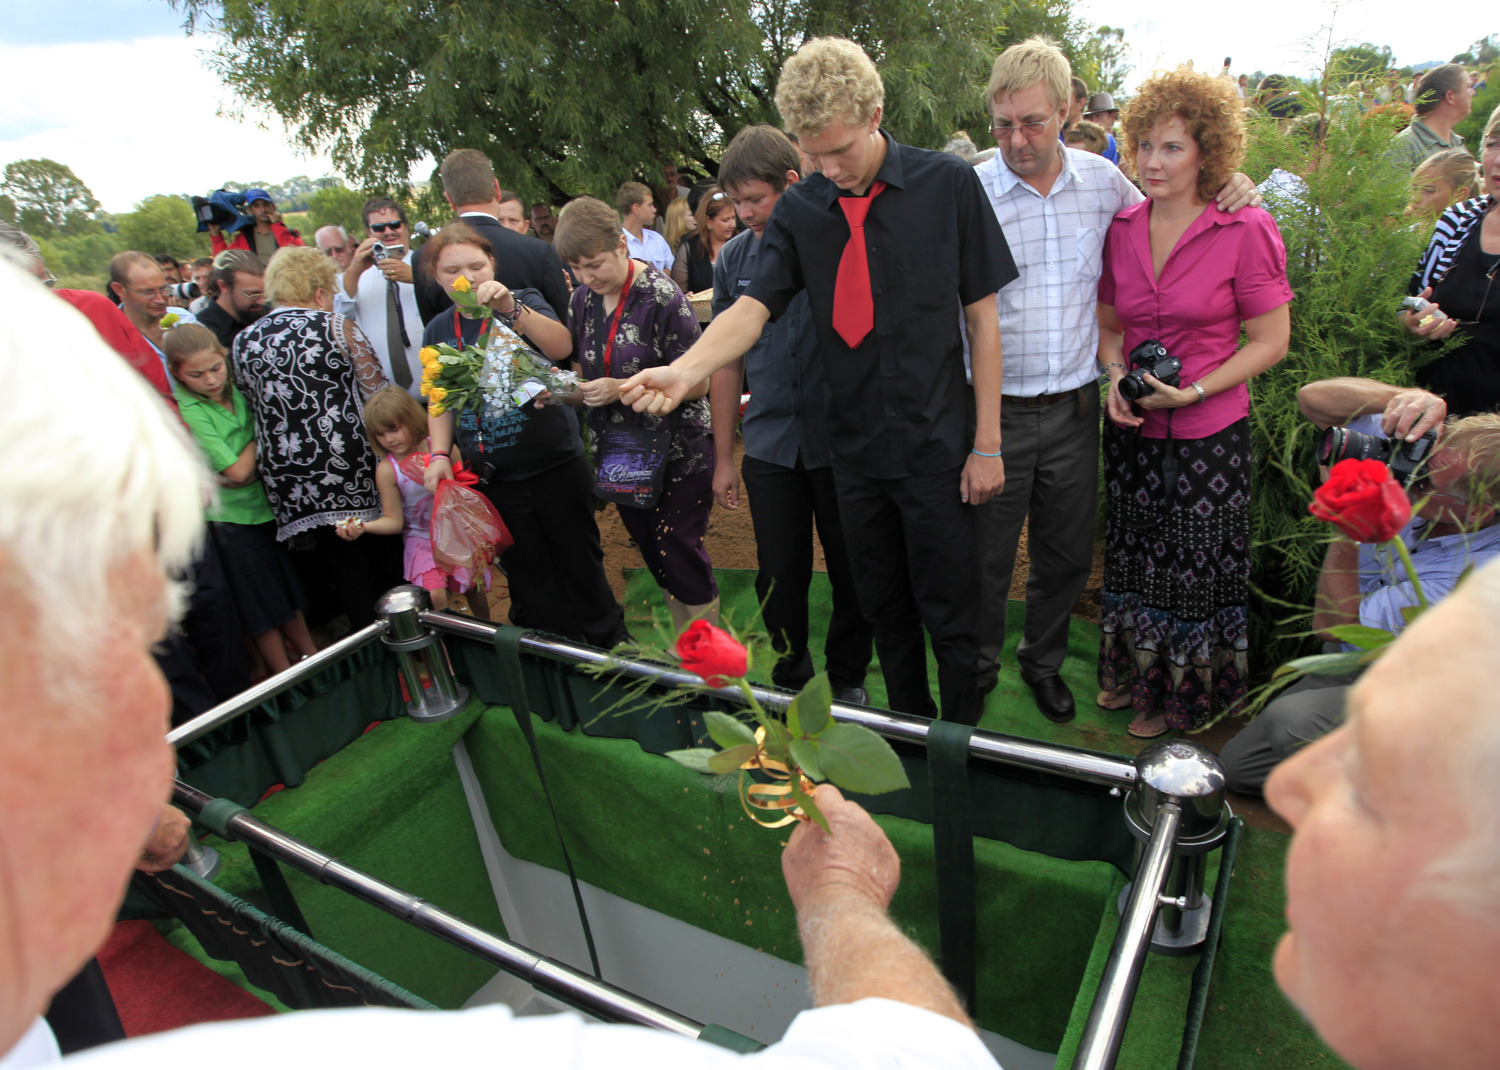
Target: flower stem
{"points": [[1411, 570]]}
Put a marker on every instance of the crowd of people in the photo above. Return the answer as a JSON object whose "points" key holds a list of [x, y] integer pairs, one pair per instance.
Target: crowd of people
{"points": [[922, 335]]}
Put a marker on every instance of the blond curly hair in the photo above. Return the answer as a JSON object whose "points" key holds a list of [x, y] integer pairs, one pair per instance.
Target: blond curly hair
{"points": [[828, 79], [1210, 108]]}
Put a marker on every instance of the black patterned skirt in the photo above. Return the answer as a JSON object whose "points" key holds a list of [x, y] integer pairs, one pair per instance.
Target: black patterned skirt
{"points": [[1176, 571]]}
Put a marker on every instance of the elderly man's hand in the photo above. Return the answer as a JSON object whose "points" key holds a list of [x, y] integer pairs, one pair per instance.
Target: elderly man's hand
{"points": [[1412, 413], [856, 858], [168, 841], [396, 270]]}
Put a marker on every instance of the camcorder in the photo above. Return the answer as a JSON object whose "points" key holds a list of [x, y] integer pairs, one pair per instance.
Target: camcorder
{"points": [[222, 208], [1401, 457], [1149, 358], [380, 250]]}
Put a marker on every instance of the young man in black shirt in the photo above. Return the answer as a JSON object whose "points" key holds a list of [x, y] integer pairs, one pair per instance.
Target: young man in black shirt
{"points": [[905, 460]]}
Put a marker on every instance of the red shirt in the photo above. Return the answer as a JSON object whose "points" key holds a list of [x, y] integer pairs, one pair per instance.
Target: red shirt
{"points": [[282, 235], [121, 336]]}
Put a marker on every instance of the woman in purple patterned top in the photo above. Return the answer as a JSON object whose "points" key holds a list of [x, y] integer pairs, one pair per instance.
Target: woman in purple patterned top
{"points": [[654, 327]]}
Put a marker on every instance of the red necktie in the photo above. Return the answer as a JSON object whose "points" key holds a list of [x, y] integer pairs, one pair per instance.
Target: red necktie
{"points": [[853, 307]]}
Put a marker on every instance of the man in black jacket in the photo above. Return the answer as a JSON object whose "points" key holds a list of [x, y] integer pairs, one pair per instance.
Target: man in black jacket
{"points": [[470, 186]]}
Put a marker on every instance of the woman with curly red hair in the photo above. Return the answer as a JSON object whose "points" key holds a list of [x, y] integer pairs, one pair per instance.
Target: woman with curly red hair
{"points": [[1181, 272]]}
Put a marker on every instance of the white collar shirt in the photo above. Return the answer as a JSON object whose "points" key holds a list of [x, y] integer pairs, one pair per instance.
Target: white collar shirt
{"points": [[367, 306], [650, 247], [1048, 327]]}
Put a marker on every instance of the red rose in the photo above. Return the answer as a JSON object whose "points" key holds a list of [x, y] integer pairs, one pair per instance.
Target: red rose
{"points": [[711, 652], [1363, 501]]}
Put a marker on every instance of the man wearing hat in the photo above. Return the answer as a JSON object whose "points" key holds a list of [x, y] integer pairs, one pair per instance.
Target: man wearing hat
{"points": [[1102, 110], [262, 237]]}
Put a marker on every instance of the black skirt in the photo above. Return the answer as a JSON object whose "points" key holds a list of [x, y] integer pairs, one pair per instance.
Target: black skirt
{"points": [[260, 575], [1176, 571]]}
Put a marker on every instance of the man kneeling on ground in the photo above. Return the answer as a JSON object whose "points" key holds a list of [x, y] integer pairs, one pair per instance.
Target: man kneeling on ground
{"points": [[1453, 529]]}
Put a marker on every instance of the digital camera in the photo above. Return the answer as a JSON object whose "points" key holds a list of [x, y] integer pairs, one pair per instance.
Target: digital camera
{"points": [[184, 291], [1149, 358], [380, 250], [1401, 457]]}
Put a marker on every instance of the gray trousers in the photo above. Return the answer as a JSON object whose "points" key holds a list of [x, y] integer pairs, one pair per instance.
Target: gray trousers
{"points": [[1308, 710], [1052, 484]]}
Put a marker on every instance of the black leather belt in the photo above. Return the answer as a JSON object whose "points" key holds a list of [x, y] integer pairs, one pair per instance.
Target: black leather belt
{"points": [[1041, 399]]}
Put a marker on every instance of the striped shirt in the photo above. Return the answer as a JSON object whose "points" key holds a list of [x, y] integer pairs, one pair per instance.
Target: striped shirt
{"points": [[1048, 330], [1448, 235]]}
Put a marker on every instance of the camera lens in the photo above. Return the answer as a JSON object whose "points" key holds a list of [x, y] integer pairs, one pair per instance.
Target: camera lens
{"points": [[1133, 386]]}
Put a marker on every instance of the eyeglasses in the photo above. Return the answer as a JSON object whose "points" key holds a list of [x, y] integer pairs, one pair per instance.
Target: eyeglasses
{"points": [[335, 250], [1423, 486], [250, 295], [381, 228], [1032, 131], [160, 291]]}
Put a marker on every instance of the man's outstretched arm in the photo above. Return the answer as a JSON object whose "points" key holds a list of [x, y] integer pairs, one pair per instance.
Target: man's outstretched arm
{"points": [[841, 885], [735, 330]]}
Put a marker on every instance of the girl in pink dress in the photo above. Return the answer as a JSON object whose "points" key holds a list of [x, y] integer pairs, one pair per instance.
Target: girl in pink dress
{"points": [[397, 425]]}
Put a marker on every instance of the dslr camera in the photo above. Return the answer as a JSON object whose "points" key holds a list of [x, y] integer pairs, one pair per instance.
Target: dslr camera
{"points": [[1149, 358], [185, 291], [1401, 457], [380, 250]]}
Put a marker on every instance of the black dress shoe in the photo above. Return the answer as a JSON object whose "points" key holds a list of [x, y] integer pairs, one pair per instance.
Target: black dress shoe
{"points": [[852, 696], [1053, 698]]}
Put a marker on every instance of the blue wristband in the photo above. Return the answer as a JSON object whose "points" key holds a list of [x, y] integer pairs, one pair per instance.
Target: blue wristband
{"points": [[1000, 453]]}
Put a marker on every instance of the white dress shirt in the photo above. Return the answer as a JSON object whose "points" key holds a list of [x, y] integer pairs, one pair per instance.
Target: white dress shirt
{"points": [[367, 307], [650, 247], [1048, 331]]}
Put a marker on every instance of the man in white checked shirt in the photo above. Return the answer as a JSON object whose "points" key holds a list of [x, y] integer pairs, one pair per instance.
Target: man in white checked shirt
{"points": [[1055, 205]]}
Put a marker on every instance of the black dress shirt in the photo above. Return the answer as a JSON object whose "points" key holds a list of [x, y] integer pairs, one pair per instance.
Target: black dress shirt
{"points": [[521, 262], [224, 326], [898, 403]]}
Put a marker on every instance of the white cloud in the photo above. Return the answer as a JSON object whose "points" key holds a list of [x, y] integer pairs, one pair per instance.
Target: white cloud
{"points": [[134, 118]]}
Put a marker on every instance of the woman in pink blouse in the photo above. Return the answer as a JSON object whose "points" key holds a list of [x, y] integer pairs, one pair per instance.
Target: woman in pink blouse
{"points": [[1183, 273]]}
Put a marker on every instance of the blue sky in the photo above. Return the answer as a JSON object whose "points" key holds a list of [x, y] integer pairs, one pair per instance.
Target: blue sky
{"points": [[30, 23]]}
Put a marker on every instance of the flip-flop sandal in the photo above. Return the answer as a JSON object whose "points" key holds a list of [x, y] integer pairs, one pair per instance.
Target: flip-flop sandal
{"points": [[1149, 733], [1122, 700]]}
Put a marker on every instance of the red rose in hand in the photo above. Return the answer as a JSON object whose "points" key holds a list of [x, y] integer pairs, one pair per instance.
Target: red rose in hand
{"points": [[1362, 500], [711, 652]]}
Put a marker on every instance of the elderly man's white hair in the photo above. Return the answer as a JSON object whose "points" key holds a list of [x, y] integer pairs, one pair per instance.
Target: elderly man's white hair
{"points": [[97, 469]]}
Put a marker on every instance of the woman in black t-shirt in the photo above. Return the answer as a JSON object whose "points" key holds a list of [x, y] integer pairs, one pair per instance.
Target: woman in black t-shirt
{"points": [[530, 459]]}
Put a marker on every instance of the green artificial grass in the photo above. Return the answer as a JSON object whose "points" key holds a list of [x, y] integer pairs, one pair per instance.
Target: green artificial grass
{"points": [[1009, 708], [391, 805]]}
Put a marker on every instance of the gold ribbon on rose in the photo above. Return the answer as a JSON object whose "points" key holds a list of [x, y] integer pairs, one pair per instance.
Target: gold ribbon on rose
{"points": [[775, 797]]}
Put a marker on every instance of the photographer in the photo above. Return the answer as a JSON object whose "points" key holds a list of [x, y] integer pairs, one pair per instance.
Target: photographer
{"points": [[237, 293], [262, 238], [1453, 529], [377, 291]]}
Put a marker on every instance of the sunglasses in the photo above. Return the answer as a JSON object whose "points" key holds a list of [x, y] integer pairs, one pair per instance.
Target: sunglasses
{"points": [[381, 228]]}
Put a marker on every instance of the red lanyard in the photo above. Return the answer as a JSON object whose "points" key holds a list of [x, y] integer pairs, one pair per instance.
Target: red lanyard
{"points": [[458, 330], [614, 326]]}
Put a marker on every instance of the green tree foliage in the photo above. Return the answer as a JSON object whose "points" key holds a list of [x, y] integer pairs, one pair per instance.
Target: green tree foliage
{"points": [[1100, 61], [1350, 253], [49, 198], [335, 205], [576, 97], [7, 208], [163, 224], [1359, 63], [1485, 102], [1482, 53]]}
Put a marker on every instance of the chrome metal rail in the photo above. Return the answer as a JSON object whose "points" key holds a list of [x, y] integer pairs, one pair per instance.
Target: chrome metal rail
{"points": [[577, 989]]}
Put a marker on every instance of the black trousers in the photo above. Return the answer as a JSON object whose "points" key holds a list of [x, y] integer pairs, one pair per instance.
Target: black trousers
{"points": [[556, 567], [204, 662], [358, 572], [911, 545], [784, 503]]}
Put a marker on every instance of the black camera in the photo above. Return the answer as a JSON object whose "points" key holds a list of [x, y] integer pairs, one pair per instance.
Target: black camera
{"points": [[1149, 358], [380, 250], [1401, 457]]}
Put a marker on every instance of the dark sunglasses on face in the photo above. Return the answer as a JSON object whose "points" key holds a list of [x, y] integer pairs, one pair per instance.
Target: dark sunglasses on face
{"points": [[381, 228]]}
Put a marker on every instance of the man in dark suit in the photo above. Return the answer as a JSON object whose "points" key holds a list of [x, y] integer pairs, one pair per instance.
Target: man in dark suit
{"points": [[470, 186]]}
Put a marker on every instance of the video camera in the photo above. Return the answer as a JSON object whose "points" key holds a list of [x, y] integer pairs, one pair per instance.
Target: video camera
{"points": [[222, 208]]}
